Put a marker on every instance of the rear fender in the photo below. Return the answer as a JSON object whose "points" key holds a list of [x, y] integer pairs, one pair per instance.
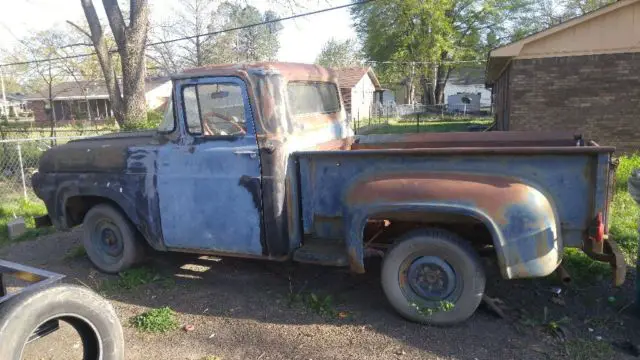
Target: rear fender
{"points": [[521, 219]]}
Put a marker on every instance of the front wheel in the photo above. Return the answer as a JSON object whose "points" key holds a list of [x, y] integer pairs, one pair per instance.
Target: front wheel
{"points": [[434, 277], [110, 240]]}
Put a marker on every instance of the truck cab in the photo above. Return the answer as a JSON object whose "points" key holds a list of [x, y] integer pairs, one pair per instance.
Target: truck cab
{"points": [[258, 160]]}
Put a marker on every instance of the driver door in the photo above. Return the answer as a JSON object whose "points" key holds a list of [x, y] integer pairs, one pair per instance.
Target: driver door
{"points": [[209, 185]]}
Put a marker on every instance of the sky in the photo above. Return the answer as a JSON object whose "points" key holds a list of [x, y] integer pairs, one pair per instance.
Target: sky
{"points": [[300, 40]]}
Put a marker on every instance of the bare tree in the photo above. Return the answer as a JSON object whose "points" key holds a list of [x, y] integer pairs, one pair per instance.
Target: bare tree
{"points": [[129, 104], [41, 74]]}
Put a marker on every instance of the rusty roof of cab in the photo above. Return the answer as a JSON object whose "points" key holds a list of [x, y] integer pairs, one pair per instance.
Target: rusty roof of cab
{"points": [[290, 71]]}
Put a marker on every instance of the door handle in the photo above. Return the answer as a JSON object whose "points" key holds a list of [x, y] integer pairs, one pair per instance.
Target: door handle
{"points": [[252, 153]]}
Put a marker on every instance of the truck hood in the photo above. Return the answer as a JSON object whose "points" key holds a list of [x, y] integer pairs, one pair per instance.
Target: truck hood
{"points": [[107, 153]]}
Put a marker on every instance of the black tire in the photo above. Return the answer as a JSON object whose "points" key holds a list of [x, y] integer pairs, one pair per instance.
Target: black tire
{"points": [[456, 256], [111, 240], [93, 317]]}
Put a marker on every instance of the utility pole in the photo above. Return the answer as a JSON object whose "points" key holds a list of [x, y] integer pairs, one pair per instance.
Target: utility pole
{"points": [[4, 96]]}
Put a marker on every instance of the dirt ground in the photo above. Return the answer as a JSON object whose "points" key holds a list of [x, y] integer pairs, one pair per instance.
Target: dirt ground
{"points": [[241, 309]]}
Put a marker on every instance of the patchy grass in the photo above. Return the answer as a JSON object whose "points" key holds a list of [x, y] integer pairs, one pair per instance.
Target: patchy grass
{"points": [[27, 209], [582, 268], [625, 213], [412, 126], [134, 278], [319, 304], [76, 253], [211, 357], [159, 320], [580, 349]]}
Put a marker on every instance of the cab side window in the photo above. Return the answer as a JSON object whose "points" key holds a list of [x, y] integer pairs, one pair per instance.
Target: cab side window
{"points": [[215, 109]]}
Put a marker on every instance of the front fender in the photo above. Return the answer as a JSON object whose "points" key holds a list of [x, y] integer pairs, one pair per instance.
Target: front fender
{"points": [[111, 189], [521, 219]]}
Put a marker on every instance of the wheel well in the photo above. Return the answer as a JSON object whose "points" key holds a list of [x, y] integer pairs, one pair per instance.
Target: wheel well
{"points": [[382, 230], [77, 207]]}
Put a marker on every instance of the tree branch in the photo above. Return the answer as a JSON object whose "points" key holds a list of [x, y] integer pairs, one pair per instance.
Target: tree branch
{"points": [[79, 28], [116, 21]]}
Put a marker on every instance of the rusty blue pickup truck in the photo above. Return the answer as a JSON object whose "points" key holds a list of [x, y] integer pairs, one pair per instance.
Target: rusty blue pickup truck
{"points": [[259, 161]]}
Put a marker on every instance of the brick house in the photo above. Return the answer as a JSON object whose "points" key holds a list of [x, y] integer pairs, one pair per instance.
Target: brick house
{"points": [[582, 75], [81, 100]]}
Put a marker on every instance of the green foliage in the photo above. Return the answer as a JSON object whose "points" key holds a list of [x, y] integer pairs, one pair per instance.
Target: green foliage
{"points": [[319, 304], [403, 126], [159, 320], [152, 121], [443, 306], [76, 252], [625, 213], [339, 54], [133, 278], [435, 31], [582, 268], [580, 349], [19, 207]]}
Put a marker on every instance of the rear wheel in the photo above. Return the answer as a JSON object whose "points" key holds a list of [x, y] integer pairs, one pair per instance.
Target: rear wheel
{"points": [[110, 239], [433, 276]]}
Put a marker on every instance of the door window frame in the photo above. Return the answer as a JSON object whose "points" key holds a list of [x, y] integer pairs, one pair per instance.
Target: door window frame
{"points": [[212, 80]]}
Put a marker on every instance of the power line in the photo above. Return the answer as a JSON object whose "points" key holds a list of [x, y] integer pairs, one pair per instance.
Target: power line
{"points": [[200, 35], [427, 62]]}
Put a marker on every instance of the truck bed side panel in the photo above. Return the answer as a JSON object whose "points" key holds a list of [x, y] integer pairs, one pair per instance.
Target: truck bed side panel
{"points": [[573, 182]]}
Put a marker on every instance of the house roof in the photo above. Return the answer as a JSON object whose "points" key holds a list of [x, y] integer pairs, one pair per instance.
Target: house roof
{"points": [[349, 77], [75, 90], [15, 97], [597, 32]]}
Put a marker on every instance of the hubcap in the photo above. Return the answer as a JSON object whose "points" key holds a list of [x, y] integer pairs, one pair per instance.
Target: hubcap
{"points": [[107, 238], [431, 278]]}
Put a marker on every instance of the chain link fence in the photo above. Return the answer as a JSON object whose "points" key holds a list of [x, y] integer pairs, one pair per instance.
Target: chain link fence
{"points": [[416, 117], [19, 161]]}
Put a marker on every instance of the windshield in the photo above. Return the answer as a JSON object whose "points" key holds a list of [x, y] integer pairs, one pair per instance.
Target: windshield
{"points": [[168, 122], [313, 97]]}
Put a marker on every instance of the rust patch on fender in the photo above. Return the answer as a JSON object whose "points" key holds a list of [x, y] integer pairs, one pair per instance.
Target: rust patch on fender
{"points": [[490, 193]]}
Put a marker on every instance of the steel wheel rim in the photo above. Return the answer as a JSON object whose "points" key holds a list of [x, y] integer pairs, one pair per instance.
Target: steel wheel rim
{"points": [[431, 278], [107, 239]]}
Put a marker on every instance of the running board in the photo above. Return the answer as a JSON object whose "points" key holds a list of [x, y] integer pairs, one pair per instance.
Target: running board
{"points": [[322, 252]]}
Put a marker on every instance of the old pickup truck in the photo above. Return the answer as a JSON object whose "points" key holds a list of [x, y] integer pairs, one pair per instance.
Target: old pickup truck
{"points": [[258, 161]]}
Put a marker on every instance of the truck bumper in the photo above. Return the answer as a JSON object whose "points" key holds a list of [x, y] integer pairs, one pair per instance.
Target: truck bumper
{"points": [[608, 251]]}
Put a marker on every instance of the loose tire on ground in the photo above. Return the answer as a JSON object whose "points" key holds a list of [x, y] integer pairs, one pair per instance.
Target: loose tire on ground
{"points": [[92, 316], [111, 240], [433, 251]]}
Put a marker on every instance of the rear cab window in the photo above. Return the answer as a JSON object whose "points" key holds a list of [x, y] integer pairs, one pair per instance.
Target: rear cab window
{"points": [[311, 97]]}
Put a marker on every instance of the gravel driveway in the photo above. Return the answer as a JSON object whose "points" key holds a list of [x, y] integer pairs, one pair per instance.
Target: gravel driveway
{"points": [[243, 309]]}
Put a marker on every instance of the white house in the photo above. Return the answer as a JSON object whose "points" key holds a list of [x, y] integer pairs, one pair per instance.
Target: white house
{"points": [[13, 106], [468, 81], [464, 102], [360, 90]]}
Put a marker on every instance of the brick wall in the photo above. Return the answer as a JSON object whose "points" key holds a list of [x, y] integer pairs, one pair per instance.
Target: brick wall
{"points": [[597, 96]]}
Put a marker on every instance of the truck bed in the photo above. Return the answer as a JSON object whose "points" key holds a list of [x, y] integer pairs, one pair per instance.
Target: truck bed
{"points": [[574, 176]]}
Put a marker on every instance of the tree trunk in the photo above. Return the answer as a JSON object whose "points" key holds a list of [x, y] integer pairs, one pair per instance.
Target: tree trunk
{"points": [[129, 104], [133, 78]]}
